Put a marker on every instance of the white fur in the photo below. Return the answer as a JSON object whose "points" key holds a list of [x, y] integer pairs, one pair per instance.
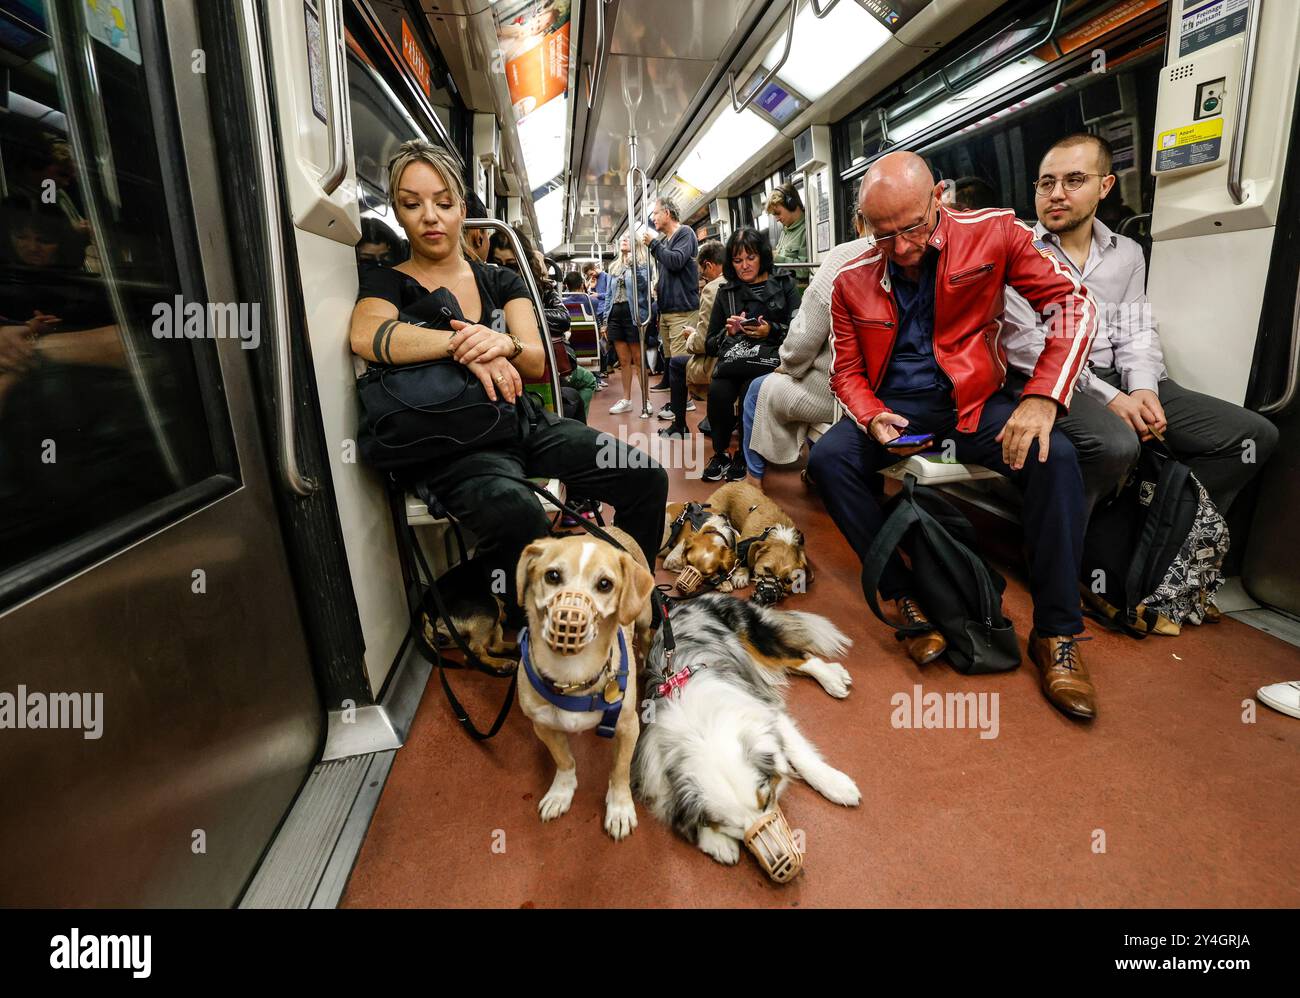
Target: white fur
{"points": [[620, 813], [560, 796], [588, 549], [835, 679], [785, 533]]}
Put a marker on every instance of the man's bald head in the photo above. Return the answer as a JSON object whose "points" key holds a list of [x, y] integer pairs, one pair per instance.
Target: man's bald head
{"points": [[899, 193]]}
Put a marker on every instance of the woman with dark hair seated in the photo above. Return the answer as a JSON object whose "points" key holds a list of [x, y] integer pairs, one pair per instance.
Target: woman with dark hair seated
{"points": [[751, 316], [498, 341]]}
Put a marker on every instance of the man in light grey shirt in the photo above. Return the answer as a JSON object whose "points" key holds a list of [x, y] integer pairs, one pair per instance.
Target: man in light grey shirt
{"points": [[1125, 392]]}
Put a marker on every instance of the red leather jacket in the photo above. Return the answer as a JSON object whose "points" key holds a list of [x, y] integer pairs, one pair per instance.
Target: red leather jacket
{"points": [[979, 253]]}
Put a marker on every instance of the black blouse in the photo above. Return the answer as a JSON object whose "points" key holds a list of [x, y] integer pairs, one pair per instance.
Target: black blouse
{"points": [[496, 287]]}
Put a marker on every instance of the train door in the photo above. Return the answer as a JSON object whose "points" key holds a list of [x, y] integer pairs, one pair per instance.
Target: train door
{"points": [[157, 706]]}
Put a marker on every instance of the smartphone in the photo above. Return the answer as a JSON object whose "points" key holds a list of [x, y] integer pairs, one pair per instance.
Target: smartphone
{"points": [[752, 322], [911, 440]]}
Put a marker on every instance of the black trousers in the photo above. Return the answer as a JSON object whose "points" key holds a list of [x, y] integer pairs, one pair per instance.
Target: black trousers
{"points": [[723, 394], [506, 516]]}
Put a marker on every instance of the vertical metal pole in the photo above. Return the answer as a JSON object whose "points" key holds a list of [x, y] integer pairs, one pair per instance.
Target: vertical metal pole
{"points": [[632, 171]]}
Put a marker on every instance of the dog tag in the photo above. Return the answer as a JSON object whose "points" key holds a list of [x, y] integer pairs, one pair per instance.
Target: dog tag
{"points": [[612, 691]]}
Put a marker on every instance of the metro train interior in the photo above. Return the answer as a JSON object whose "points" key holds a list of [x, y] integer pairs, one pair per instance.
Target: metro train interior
{"points": [[212, 693]]}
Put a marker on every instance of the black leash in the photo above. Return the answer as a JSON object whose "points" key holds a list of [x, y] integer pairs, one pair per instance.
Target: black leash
{"points": [[471, 660]]}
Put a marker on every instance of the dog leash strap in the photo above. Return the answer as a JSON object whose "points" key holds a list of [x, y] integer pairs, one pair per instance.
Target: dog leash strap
{"points": [[659, 615]]}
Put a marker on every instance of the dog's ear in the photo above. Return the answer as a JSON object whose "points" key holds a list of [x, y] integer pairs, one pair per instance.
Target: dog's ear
{"points": [[799, 538], [755, 550], [526, 560], [636, 587]]}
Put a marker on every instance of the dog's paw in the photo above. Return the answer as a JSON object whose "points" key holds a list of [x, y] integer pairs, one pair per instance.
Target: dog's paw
{"points": [[723, 848], [739, 578], [839, 788], [725, 586], [560, 796], [834, 678], [620, 814]]}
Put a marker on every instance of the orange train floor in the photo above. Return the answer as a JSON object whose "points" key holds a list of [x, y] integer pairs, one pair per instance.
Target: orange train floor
{"points": [[1167, 799]]}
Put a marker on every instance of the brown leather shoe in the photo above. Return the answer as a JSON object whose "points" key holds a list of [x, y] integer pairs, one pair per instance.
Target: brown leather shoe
{"points": [[1064, 677], [921, 648]]}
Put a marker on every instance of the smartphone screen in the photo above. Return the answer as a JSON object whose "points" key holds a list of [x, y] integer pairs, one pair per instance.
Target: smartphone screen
{"points": [[911, 440]]}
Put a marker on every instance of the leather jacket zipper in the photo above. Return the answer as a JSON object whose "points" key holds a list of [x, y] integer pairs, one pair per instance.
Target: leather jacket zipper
{"points": [[966, 276]]}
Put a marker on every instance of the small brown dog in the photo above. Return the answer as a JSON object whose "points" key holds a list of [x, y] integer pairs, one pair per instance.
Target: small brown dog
{"points": [[477, 613], [703, 548], [588, 607], [770, 546]]}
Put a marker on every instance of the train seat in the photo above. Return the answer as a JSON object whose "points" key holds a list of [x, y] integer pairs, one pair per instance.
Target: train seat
{"points": [[929, 468]]}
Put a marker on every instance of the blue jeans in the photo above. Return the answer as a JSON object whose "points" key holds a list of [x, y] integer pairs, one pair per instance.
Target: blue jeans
{"points": [[753, 460]]}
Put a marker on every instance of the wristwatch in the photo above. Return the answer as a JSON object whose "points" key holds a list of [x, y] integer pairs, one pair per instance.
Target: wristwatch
{"points": [[519, 346]]}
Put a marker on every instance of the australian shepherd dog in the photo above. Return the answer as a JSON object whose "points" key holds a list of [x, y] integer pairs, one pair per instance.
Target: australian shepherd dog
{"points": [[719, 747]]}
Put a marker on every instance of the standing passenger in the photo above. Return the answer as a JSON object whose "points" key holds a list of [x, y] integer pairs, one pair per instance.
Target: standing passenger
{"points": [[679, 280]]}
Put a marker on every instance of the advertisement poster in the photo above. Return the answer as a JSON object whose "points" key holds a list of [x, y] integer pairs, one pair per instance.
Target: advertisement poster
{"points": [[534, 38]]}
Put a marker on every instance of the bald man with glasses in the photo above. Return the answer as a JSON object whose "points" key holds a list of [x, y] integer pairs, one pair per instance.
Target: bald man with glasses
{"points": [[916, 324]]}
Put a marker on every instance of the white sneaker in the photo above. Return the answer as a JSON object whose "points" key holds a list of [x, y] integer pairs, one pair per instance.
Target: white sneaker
{"points": [[622, 405], [1281, 696]]}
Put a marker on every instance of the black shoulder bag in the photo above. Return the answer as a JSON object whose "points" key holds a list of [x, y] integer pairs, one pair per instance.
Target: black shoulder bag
{"points": [[413, 414]]}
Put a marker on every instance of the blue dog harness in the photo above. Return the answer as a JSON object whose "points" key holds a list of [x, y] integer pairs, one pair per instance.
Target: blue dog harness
{"points": [[588, 702]]}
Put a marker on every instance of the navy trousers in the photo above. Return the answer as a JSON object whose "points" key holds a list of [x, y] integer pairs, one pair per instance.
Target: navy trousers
{"points": [[845, 460]]}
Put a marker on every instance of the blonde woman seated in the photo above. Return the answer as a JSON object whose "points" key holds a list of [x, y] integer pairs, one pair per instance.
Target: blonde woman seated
{"points": [[501, 345]]}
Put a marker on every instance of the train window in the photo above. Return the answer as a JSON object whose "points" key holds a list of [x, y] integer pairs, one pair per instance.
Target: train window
{"points": [[379, 125], [107, 360]]}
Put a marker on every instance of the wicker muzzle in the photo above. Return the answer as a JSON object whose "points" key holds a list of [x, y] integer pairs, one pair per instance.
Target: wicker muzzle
{"points": [[570, 622], [772, 843], [688, 580]]}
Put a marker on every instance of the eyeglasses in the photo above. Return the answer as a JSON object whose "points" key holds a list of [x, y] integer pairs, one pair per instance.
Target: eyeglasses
{"points": [[1070, 182], [909, 232]]}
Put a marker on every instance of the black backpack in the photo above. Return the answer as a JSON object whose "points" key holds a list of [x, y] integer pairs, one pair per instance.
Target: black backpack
{"points": [[1153, 552], [959, 592]]}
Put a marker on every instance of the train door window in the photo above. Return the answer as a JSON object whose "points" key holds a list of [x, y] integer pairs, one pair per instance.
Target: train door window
{"points": [[111, 418]]}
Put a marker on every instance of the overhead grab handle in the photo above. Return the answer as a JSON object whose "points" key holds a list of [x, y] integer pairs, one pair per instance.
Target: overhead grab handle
{"points": [[820, 11], [738, 105], [596, 70]]}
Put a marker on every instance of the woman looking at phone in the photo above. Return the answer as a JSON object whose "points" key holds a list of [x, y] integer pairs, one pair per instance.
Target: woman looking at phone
{"points": [[751, 316]]}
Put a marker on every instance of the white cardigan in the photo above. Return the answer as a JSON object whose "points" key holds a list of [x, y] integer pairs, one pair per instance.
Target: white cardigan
{"points": [[800, 395]]}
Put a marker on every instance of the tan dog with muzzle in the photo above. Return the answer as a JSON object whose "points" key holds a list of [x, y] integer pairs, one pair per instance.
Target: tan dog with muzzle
{"points": [[773, 547], [588, 608], [698, 544]]}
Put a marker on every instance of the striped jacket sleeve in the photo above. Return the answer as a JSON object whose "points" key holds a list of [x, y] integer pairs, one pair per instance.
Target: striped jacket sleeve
{"points": [[1070, 314], [848, 363]]}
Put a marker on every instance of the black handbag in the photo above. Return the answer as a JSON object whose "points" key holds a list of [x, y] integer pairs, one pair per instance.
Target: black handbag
{"points": [[742, 357], [412, 414], [959, 592]]}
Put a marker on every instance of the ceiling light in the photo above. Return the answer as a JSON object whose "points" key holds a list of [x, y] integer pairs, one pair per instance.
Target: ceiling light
{"points": [[826, 50], [1004, 77], [724, 147]]}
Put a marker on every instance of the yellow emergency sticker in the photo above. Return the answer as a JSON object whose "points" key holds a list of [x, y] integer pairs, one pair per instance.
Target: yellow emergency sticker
{"points": [[1202, 131]]}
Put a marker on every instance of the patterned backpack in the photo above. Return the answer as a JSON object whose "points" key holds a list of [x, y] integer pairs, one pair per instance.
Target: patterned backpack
{"points": [[1153, 553]]}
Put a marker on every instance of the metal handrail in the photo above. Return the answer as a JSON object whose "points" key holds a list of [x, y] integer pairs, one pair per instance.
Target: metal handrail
{"points": [[596, 71], [1237, 157], [817, 8], [731, 74], [526, 271], [255, 66], [1284, 403], [1124, 226], [331, 44]]}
